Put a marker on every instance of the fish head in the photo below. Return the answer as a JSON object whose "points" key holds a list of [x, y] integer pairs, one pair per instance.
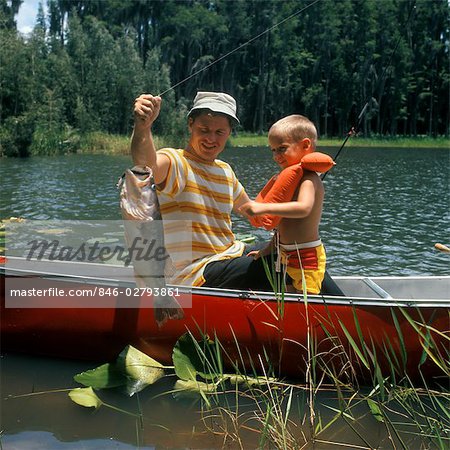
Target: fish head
{"points": [[138, 198]]}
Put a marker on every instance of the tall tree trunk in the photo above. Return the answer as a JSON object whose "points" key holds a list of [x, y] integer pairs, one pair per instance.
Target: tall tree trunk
{"points": [[325, 122], [262, 82]]}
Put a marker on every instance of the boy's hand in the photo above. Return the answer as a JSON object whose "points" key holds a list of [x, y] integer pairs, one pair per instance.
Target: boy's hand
{"points": [[146, 110], [251, 209]]}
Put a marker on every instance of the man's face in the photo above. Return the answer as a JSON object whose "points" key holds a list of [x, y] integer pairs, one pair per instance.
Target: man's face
{"points": [[209, 134]]}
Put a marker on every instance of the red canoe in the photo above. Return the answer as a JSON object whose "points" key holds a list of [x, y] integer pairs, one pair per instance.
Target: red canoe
{"points": [[400, 324]]}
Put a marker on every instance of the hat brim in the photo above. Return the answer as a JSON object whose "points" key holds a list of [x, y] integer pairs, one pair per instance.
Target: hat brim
{"points": [[214, 107]]}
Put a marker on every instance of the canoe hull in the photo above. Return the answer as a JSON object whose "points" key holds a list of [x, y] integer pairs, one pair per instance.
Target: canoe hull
{"points": [[253, 332]]}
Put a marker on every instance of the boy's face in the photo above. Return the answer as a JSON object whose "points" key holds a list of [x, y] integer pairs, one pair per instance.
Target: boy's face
{"points": [[285, 152]]}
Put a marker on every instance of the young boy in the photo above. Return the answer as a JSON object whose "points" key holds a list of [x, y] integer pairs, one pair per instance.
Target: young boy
{"points": [[300, 246]]}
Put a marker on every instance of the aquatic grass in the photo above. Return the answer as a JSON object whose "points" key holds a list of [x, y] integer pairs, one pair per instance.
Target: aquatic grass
{"points": [[273, 403], [276, 280], [264, 393], [360, 351], [403, 352], [245, 139], [275, 422], [367, 354], [427, 421], [442, 361], [337, 351], [256, 389], [311, 363], [440, 356], [391, 356], [98, 142]]}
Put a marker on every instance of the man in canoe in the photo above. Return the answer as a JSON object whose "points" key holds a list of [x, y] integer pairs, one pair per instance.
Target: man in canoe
{"points": [[194, 186], [297, 216]]}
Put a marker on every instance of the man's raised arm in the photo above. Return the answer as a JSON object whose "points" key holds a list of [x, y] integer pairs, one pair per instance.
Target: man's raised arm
{"points": [[143, 151]]}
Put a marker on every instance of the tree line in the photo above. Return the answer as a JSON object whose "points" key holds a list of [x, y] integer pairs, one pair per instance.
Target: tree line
{"points": [[86, 60]]}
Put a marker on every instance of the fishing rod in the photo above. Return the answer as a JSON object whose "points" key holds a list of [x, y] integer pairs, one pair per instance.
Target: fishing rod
{"points": [[354, 129], [239, 47]]}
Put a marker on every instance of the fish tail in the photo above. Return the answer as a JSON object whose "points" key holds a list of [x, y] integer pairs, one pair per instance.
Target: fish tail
{"points": [[167, 308]]}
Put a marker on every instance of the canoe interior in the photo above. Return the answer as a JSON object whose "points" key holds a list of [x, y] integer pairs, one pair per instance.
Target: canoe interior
{"points": [[411, 287]]}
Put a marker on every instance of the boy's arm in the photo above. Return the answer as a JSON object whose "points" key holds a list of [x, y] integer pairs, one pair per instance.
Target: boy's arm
{"points": [[242, 200], [292, 210], [143, 151]]}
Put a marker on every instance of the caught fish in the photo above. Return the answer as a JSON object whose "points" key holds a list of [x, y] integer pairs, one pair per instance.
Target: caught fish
{"points": [[144, 236]]}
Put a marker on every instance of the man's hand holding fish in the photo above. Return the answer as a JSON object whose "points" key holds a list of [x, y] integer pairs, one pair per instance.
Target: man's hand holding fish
{"points": [[146, 108]]}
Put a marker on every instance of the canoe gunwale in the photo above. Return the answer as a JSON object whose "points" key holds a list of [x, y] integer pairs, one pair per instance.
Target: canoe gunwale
{"points": [[323, 299], [384, 299]]}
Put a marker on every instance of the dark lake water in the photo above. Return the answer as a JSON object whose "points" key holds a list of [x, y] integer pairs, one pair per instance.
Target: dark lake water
{"points": [[384, 211]]}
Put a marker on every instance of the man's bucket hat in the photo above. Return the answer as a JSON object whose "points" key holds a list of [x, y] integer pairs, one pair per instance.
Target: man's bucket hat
{"points": [[218, 102]]}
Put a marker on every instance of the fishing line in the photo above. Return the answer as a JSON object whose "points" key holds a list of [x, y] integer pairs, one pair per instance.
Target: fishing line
{"points": [[354, 129], [268, 30]]}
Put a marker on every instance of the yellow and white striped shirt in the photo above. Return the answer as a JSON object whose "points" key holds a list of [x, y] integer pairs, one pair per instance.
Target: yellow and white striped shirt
{"points": [[196, 202]]}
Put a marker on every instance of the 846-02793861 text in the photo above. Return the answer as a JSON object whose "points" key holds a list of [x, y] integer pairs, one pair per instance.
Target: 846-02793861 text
{"points": [[95, 291], [137, 292]]}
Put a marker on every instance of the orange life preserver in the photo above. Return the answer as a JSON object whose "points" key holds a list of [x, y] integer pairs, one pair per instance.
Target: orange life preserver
{"points": [[281, 187]]}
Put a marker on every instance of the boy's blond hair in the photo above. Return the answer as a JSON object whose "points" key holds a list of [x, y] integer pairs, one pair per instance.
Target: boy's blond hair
{"points": [[296, 128]]}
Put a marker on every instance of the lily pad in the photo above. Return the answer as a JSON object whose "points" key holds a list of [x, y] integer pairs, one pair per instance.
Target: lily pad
{"points": [[85, 397], [249, 381], [102, 240], [196, 389], [104, 376], [195, 386], [140, 369], [54, 231], [133, 369], [190, 358]]}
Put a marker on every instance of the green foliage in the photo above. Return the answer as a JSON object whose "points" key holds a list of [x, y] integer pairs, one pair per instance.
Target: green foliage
{"points": [[186, 359], [192, 359], [85, 397], [102, 377], [132, 370], [16, 135], [140, 369], [88, 61]]}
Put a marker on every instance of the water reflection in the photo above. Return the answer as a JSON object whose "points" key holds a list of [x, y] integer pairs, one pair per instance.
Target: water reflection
{"points": [[33, 418], [59, 423]]}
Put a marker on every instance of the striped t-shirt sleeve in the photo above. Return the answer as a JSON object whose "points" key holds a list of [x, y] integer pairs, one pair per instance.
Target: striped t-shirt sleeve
{"points": [[176, 176], [238, 189]]}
